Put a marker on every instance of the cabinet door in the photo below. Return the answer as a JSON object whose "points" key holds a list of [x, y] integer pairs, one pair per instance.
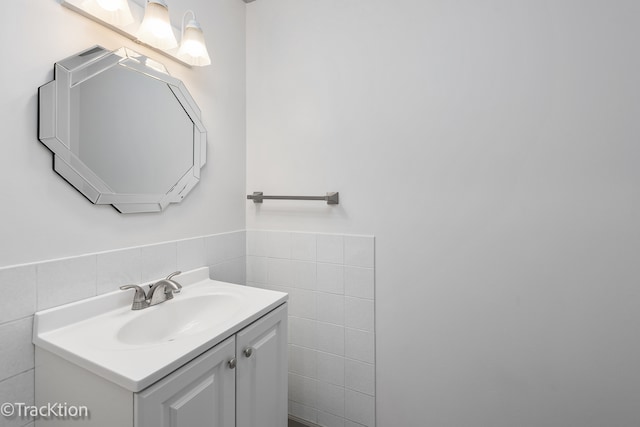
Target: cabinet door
{"points": [[200, 394], [261, 377]]}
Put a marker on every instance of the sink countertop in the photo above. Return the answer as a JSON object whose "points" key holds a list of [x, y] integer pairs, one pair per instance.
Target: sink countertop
{"points": [[96, 334]]}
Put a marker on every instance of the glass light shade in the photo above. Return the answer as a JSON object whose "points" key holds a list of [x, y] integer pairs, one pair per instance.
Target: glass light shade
{"points": [[115, 12], [155, 29], [193, 49]]}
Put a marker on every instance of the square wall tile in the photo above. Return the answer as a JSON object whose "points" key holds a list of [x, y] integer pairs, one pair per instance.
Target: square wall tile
{"points": [[331, 308], [279, 244], [257, 269], [302, 332], [330, 278], [118, 268], [360, 408], [18, 389], [329, 420], [279, 272], [360, 345], [304, 274], [191, 254], [359, 251], [330, 368], [256, 243], [18, 290], [359, 313], [16, 349], [64, 281], [302, 303], [232, 271], [359, 282], [225, 246], [303, 246], [158, 261], [330, 249], [302, 390], [303, 361], [303, 412], [360, 376], [330, 338], [330, 399]]}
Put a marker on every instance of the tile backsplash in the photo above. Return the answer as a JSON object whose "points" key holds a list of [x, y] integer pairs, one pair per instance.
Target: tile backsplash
{"points": [[330, 280], [38, 286]]}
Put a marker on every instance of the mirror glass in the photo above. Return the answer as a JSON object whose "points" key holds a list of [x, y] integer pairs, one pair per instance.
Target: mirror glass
{"points": [[123, 132]]}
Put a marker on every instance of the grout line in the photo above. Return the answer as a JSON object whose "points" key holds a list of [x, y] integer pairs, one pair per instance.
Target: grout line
{"points": [[18, 374], [19, 319]]}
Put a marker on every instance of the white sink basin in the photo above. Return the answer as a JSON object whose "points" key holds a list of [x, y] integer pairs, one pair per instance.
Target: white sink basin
{"points": [[179, 318], [134, 349]]}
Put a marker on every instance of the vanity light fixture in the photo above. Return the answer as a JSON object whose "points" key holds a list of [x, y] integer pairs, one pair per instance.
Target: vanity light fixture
{"points": [[147, 22], [193, 49], [116, 12], [156, 29]]}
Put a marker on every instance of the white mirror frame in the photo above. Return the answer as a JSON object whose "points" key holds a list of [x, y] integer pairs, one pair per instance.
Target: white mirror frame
{"points": [[54, 128]]}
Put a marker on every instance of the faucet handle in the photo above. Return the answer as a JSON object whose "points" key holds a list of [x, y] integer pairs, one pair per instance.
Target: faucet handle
{"points": [[140, 297], [175, 273], [178, 285]]}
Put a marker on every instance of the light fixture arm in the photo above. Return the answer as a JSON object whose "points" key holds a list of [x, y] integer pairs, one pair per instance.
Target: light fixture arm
{"points": [[184, 17]]}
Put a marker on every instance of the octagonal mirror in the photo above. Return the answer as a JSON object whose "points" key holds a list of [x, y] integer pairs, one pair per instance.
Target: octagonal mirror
{"points": [[122, 130]]}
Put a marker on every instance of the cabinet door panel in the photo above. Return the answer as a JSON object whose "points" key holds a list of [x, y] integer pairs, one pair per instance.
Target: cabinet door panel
{"points": [[200, 394], [261, 378]]}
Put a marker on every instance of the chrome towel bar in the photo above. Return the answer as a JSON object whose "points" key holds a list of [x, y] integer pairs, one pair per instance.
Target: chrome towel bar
{"points": [[330, 198]]}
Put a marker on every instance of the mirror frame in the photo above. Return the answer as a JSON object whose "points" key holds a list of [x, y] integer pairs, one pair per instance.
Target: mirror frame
{"points": [[55, 127]]}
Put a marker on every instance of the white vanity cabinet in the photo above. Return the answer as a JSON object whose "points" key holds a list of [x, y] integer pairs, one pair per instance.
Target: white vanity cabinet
{"points": [[240, 382], [261, 375], [201, 393]]}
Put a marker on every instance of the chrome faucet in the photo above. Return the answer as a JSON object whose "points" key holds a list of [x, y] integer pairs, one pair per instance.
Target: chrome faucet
{"points": [[167, 288]]}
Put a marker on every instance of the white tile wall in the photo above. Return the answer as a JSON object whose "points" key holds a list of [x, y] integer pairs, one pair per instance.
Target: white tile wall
{"points": [[359, 251], [224, 247], [358, 282], [191, 254], [330, 278], [304, 412], [66, 280], [360, 407], [330, 338], [17, 389], [330, 281], [303, 390], [303, 361], [18, 289], [330, 248], [329, 420], [331, 368], [331, 327], [16, 351], [359, 345], [330, 399], [116, 268], [360, 376], [158, 260], [303, 246], [38, 286]]}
